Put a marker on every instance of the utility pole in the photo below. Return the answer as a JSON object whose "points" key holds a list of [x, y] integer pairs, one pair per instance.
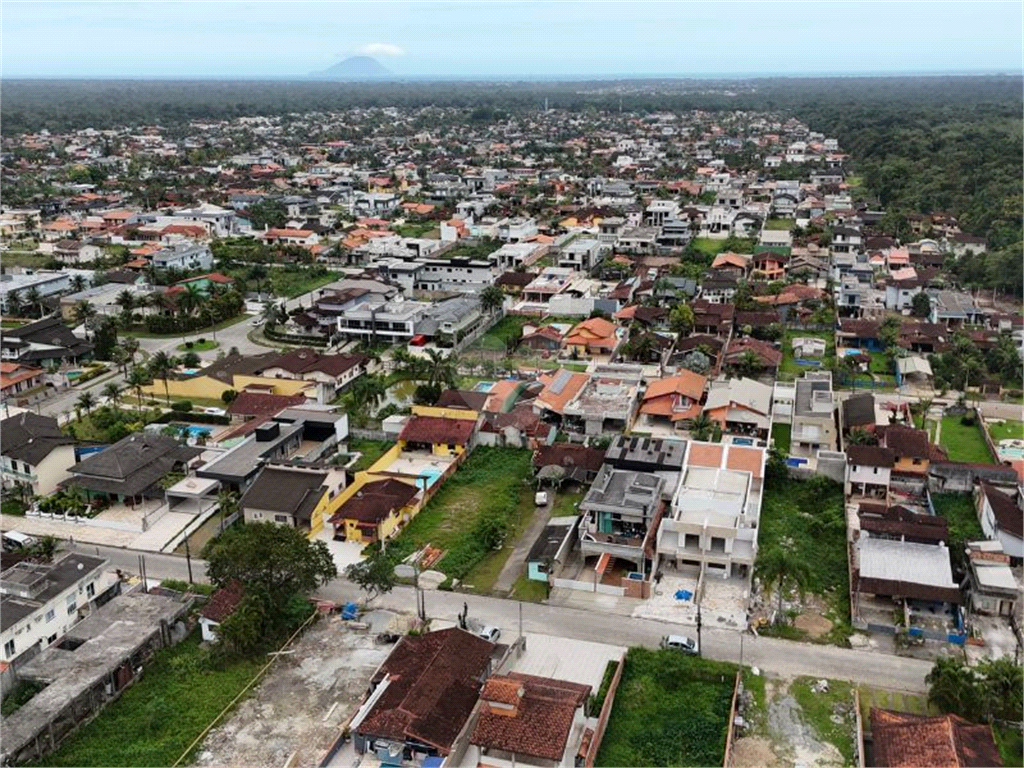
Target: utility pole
{"points": [[700, 644]]}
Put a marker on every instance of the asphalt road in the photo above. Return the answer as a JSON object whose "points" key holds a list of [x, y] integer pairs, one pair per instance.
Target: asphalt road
{"points": [[773, 656]]}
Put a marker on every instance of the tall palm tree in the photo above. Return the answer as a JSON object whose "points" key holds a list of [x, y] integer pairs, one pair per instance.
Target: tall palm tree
{"points": [[368, 391], [781, 567], [491, 299], [77, 283], [84, 312], [137, 378], [701, 426], [112, 392], [86, 401], [14, 302], [33, 299], [191, 299], [441, 370], [160, 366]]}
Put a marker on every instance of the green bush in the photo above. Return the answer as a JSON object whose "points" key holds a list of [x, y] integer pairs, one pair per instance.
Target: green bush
{"points": [[189, 345], [968, 420], [182, 406]]}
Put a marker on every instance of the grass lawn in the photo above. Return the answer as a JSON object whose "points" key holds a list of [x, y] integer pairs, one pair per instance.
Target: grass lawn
{"points": [[204, 346], [211, 329], [11, 324], [964, 443], [529, 590], [958, 509], [808, 516], [156, 719], [895, 700], [670, 709], [285, 282], [428, 229], [482, 577], [781, 436], [1011, 745], [479, 505], [565, 503], [479, 250], [26, 259], [1007, 430], [101, 425], [707, 246], [371, 450], [789, 364], [494, 339], [782, 225], [819, 708]]}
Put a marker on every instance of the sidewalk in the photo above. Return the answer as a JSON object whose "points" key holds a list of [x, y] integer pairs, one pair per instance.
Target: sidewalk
{"points": [[517, 560]]}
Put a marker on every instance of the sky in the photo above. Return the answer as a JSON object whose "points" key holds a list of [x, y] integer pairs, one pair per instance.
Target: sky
{"points": [[498, 38]]}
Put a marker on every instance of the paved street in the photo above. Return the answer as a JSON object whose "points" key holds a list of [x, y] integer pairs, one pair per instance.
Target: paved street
{"points": [[778, 657]]}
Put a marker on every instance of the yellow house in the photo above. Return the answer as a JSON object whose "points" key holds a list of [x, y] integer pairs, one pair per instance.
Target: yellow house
{"points": [[447, 435], [911, 447], [209, 388], [374, 508]]}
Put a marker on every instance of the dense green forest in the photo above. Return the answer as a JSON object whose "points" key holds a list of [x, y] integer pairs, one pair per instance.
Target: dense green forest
{"points": [[920, 144]]}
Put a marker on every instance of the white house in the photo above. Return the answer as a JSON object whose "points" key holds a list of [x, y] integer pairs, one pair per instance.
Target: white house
{"points": [[217, 609], [1001, 517], [41, 602], [34, 452], [184, 255]]}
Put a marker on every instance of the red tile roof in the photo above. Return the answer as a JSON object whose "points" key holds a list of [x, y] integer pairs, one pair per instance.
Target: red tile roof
{"points": [[903, 740], [258, 403], [437, 430], [223, 602], [374, 501]]}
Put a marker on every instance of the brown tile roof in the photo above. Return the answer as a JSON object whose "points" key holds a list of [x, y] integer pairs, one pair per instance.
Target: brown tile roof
{"points": [[704, 455], [306, 360], [434, 680], [568, 455], [462, 398], [438, 430], [906, 442], [260, 404], [560, 387], [769, 356], [912, 741], [869, 456], [1008, 516], [223, 602], [540, 721], [375, 501]]}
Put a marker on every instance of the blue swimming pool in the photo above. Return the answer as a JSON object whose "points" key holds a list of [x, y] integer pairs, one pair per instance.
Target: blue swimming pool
{"points": [[432, 476], [194, 431], [483, 386]]}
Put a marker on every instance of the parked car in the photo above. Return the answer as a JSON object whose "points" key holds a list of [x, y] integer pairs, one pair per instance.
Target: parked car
{"points": [[490, 633], [256, 322], [679, 643], [540, 499]]}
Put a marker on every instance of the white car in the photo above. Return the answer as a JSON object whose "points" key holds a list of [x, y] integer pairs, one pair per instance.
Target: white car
{"points": [[256, 322], [680, 643], [540, 499], [490, 633]]}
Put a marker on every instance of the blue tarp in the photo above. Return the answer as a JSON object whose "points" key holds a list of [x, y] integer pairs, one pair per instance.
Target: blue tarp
{"points": [[683, 594], [350, 611], [433, 762]]}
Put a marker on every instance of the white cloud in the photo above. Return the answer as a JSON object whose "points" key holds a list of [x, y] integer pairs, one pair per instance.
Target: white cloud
{"points": [[380, 49]]}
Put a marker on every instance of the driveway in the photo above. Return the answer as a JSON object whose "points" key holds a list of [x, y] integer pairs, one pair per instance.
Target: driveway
{"points": [[517, 560]]}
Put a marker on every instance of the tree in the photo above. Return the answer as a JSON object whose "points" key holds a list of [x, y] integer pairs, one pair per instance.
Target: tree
{"points": [[84, 312], [190, 359], [696, 361], [953, 687], [367, 392], [45, 548], [701, 426], [228, 396], [681, 319], [160, 367], [257, 274], [921, 305], [375, 575], [889, 331], [14, 300], [86, 401], [267, 213], [780, 567], [138, 378], [491, 299], [278, 566], [749, 364], [126, 300], [190, 299], [33, 299], [273, 314], [77, 283], [442, 370], [112, 392]]}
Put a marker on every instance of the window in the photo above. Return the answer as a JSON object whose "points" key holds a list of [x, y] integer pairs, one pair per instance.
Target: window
{"points": [[90, 590], [280, 518], [72, 604], [9, 648], [51, 615]]}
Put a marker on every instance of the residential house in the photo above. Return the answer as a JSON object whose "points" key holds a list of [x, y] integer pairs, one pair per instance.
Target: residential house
{"points": [[253, 404], [846, 240], [46, 283], [887, 568], [857, 413], [560, 387], [868, 468], [18, 379], [674, 399], [391, 322], [183, 256], [992, 588], [44, 342], [617, 514], [35, 453], [546, 338], [769, 266], [218, 608], [529, 721], [76, 252], [438, 435], [1002, 517], [718, 287], [713, 319], [422, 696], [219, 221], [740, 407], [130, 470], [739, 352], [903, 740], [332, 373], [910, 448], [582, 254], [712, 521], [580, 463], [40, 602], [814, 420], [292, 496], [552, 548], [595, 337], [375, 511], [607, 402], [287, 236]]}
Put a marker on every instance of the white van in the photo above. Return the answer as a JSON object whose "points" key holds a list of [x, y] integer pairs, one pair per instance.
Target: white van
{"points": [[13, 541]]}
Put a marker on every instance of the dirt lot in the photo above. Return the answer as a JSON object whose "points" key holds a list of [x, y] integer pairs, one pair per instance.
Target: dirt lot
{"points": [[301, 704]]}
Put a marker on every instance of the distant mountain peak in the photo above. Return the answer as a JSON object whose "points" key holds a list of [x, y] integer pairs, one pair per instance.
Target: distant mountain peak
{"points": [[355, 68]]}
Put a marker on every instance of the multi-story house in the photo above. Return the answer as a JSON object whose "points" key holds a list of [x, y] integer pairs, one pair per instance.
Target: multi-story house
{"points": [[391, 322], [34, 453], [617, 513], [183, 256], [582, 254], [814, 420]]}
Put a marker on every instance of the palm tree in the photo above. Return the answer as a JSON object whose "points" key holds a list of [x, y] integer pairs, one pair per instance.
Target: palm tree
{"points": [[953, 686], [749, 364], [138, 378], [160, 366], [191, 299], [491, 299], [86, 401], [84, 312], [273, 314], [77, 283], [33, 299], [45, 548], [14, 302], [701, 427], [131, 346], [368, 391], [227, 501], [442, 370], [112, 392], [780, 567]]}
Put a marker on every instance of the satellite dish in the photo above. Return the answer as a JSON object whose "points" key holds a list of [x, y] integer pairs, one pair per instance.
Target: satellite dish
{"points": [[405, 571]]}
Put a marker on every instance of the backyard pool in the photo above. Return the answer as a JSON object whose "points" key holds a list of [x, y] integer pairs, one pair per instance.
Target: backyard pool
{"points": [[190, 371], [1010, 449], [194, 431], [431, 475], [483, 386], [72, 375]]}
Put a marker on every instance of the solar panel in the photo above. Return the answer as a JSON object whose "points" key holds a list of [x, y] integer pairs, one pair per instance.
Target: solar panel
{"points": [[560, 381]]}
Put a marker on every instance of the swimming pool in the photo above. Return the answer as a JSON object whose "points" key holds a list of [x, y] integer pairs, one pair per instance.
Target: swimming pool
{"points": [[1010, 449], [72, 375], [190, 371], [483, 386], [194, 431], [432, 476]]}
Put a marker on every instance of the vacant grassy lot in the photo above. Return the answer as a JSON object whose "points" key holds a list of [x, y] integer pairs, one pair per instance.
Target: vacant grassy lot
{"points": [[494, 339], [670, 709], [485, 573], [818, 709], [427, 229], [529, 590], [30, 259], [808, 517], [158, 717], [474, 512], [964, 442], [958, 509], [1007, 430], [782, 225]]}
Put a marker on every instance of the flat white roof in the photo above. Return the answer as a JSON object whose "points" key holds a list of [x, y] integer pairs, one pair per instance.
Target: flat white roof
{"points": [[907, 561]]}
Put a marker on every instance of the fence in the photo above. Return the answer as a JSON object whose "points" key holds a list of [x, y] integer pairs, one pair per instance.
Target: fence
{"points": [[589, 586], [606, 711], [730, 732]]}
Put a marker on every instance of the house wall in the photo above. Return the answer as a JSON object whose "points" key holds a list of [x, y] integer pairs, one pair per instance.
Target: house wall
{"points": [[53, 470], [42, 627], [907, 465], [444, 413], [200, 386], [392, 523], [281, 386], [256, 515]]}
